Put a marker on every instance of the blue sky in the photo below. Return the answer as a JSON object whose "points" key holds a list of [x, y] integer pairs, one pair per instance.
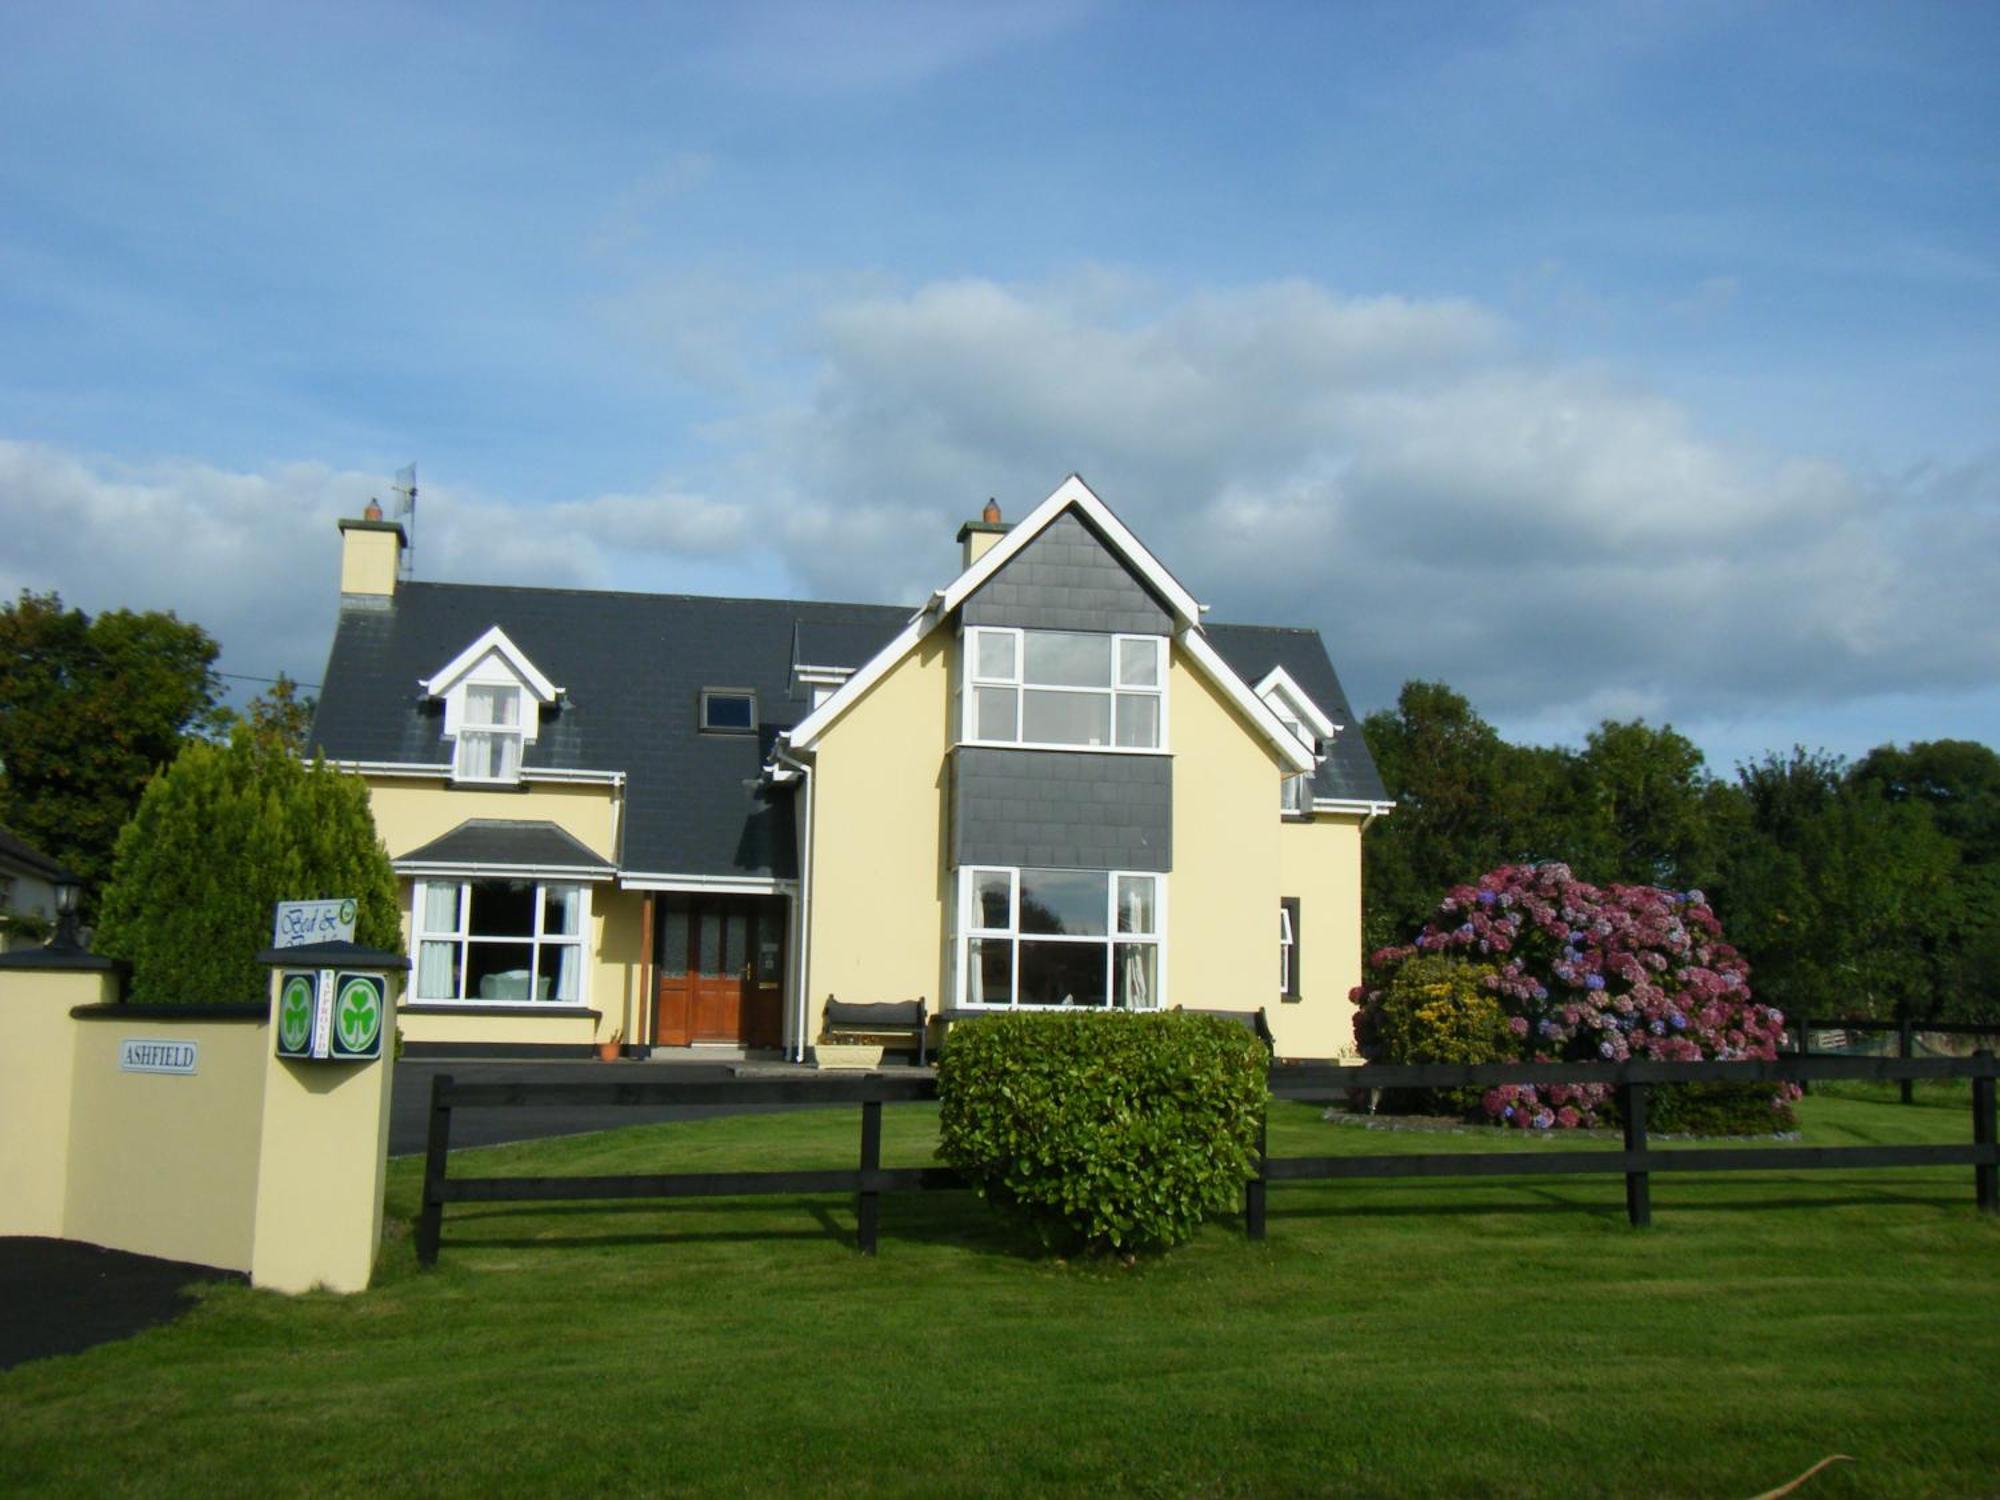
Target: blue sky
{"points": [[1600, 360]]}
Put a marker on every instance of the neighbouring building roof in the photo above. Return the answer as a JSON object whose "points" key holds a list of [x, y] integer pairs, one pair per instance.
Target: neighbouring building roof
{"points": [[19, 857], [1348, 773]]}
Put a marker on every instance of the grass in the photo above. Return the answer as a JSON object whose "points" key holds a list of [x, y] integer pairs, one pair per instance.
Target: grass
{"points": [[1424, 1338]]}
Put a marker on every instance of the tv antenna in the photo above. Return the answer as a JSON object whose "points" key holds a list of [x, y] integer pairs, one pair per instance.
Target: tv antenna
{"points": [[406, 513]]}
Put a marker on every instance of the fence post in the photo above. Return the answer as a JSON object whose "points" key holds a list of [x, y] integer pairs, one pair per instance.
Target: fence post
{"points": [[1253, 1190], [437, 1146], [1805, 1050], [1638, 1185], [1985, 1176], [868, 1216], [1909, 1051]]}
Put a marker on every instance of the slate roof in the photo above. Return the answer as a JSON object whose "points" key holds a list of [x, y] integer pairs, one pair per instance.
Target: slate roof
{"points": [[520, 844], [632, 667], [1348, 773]]}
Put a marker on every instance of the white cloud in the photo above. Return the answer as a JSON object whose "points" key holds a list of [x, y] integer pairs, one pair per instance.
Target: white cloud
{"points": [[1558, 542]]}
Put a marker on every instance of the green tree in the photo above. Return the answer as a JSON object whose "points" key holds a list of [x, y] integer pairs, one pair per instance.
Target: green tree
{"points": [[1843, 901], [90, 709], [1642, 813], [1466, 801], [281, 716], [223, 835]]}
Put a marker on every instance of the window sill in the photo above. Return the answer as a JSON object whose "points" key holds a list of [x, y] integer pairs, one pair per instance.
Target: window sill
{"points": [[467, 784], [1079, 749], [488, 1008]]}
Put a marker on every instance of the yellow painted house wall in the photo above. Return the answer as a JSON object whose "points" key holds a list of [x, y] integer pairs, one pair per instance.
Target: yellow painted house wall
{"points": [[880, 864], [1320, 863], [883, 924], [409, 813]]}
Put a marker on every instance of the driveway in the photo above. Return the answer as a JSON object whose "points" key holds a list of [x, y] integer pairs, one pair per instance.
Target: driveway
{"points": [[62, 1297]]}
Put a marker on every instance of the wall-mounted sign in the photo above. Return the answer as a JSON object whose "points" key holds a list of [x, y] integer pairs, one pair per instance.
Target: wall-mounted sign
{"points": [[301, 922], [331, 1015], [359, 1003], [299, 1032], [140, 1056]]}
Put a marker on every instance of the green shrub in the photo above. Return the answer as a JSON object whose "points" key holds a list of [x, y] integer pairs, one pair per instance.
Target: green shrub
{"points": [[1108, 1131], [1436, 1008], [220, 837]]}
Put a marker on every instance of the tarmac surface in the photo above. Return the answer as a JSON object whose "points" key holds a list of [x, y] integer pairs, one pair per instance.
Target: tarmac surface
{"points": [[61, 1297], [409, 1105]]}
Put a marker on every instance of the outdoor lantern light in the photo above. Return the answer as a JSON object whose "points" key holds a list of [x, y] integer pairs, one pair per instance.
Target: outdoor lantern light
{"points": [[68, 892]]}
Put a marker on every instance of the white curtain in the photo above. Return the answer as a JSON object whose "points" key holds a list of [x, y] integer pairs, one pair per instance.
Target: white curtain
{"points": [[437, 912]]}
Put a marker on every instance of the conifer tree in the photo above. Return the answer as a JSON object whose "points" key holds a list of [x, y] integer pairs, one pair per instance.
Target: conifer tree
{"points": [[219, 838]]}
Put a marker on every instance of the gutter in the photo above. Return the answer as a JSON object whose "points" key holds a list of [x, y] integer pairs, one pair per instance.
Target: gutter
{"points": [[803, 947]]}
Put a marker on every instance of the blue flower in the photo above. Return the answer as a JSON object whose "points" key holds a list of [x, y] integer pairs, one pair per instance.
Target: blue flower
{"points": [[1541, 992], [1697, 898], [1677, 1021], [1594, 982], [1487, 898], [1658, 1028]]}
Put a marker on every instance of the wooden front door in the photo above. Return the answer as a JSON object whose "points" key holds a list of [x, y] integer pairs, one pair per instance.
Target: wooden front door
{"points": [[720, 962]]}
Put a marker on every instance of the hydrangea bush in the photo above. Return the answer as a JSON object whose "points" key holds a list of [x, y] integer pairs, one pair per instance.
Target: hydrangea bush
{"points": [[1589, 974]]}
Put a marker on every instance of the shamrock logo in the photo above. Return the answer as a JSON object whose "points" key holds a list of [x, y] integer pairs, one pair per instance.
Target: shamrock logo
{"points": [[358, 1016], [295, 1013]]}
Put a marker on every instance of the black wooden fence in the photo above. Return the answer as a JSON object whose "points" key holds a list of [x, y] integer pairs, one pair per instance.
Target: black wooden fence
{"points": [[1907, 1030], [1636, 1161]]}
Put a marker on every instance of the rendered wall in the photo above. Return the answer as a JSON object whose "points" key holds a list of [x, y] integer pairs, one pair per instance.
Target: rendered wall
{"points": [[367, 560], [410, 813], [162, 1164], [37, 1071], [1319, 862], [1222, 898], [880, 877], [324, 1134]]}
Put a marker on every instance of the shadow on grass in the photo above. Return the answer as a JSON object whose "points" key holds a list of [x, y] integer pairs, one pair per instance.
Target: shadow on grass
{"points": [[952, 1218]]}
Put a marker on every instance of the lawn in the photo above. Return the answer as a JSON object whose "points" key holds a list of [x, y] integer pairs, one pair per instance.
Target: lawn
{"points": [[1424, 1338]]}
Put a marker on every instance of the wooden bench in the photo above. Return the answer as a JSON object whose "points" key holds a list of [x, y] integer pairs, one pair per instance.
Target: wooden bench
{"points": [[847, 1019]]}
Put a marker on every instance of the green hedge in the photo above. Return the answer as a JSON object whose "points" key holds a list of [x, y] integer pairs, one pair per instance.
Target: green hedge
{"points": [[1105, 1132]]}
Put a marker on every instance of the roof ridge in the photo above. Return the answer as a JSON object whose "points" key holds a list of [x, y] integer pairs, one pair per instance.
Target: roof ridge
{"points": [[528, 588]]}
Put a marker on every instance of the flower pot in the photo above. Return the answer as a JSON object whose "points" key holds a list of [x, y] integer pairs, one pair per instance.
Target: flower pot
{"points": [[610, 1051], [848, 1055]]}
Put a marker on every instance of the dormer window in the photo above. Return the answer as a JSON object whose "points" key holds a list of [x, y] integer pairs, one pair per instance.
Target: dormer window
{"points": [[493, 697], [1304, 721], [489, 734]]}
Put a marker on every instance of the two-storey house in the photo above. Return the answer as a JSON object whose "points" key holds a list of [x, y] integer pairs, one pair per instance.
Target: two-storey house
{"points": [[688, 821]]}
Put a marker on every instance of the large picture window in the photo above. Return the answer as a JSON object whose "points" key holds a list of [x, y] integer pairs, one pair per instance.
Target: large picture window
{"points": [[1064, 688], [1086, 939], [500, 941]]}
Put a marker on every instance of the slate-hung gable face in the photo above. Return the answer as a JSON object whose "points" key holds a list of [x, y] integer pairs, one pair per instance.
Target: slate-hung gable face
{"points": [[1053, 786]]}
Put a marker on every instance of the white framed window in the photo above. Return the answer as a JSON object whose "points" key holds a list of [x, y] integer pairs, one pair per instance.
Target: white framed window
{"points": [[491, 732], [1064, 689], [1288, 948], [500, 941], [1295, 792], [728, 711], [1060, 939]]}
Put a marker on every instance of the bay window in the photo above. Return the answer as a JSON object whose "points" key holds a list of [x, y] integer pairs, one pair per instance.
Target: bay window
{"points": [[1064, 688], [1087, 939], [500, 941]]}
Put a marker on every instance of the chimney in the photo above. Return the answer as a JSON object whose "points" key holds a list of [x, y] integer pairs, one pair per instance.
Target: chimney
{"points": [[976, 536], [370, 550]]}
